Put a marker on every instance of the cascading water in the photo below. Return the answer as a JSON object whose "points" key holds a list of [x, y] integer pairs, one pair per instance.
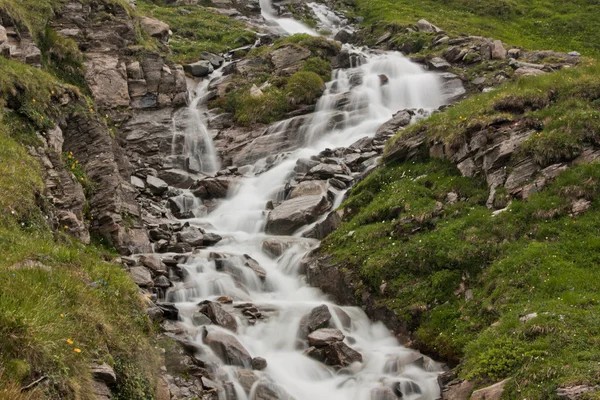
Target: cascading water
{"points": [[268, 286], [288, 25], [192, 147]]}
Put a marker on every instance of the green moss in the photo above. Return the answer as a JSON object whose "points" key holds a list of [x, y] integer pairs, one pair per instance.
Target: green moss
{"points": [[533, 258], [319, 66]]}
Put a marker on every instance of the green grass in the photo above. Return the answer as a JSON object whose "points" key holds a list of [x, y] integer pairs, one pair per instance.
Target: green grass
{"points": [[198, 29], [533, 24], [534, 257], [563, 107]]}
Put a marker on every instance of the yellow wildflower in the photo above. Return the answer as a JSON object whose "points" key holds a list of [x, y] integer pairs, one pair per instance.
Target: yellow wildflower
{"points": [[69, 341], [76, 350], [62, 315], [66, 227], [33, 100]]}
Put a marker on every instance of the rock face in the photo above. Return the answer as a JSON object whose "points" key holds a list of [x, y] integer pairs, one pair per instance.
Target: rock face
{"points": [[295, 213], [217, 315], [228, 348], [107, 78]]}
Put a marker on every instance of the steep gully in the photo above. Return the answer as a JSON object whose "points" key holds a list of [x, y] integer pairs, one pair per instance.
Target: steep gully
{"points": [[245, 295]]}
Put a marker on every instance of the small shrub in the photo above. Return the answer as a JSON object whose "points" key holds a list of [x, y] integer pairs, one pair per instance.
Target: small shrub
{"points": [[304, 87], [319, 66]]}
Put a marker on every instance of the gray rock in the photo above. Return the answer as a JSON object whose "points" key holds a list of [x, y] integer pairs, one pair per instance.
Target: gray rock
{"points": [[344, 35], [191, 235], [255, 266], [218, 315], [292, 214], [318, 318], [215, 60], [575, 392], [259, 363], [155, 28], [303, 165], [426, 26], [162, 281], [156, 185], [3, 35], [309, 188], [438, 63], [324, 171], [400, 119], [498, 50], [337, 354], [228, 348], [493, 392], [325, 336], [525, 71], [287, 56], [153, 262], [106, 76], [141, 276], [270, 391], [199, 319], [104, 372], [199, 69], [247, 379], [138, 183]]}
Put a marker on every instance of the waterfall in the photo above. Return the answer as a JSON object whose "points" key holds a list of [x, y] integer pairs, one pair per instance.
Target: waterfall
{"points": [[192, 147], [356, 102]]}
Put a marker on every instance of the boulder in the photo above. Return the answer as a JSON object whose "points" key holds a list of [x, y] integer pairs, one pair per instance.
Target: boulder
{"points": [[218, 315], [344, 35], [104, 372], [292, 214], [228, 348], [3, 35], [246, 378], [199, 69], [400, 119], [318, 318], [199, 319], [270, 391], [156, 185], [215, 60], [303, 165], [153, 262], [493, 392], [337, 354], [309, 188], [426, 26], [106, 77], [325, 336], [325, 171], [212, 188], [498, 50], [259, 363], [255, 266], [287, 56], [191, 235], [155, 28], [438, 63], [525, 71], [324, 228], [141, 276], [459, 391]]}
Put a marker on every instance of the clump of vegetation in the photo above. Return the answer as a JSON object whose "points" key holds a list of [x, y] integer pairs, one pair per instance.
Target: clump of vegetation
{"points": [[533, 24], [304, 87], [198, 29], [562, 107], [319, 66], [536, 257]]}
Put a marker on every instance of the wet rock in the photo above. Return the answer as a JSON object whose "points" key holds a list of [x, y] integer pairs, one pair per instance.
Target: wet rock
{"points": [[401, 119], [255, 266], [383, 393], [270, 391], [212, 188], [337, 354], [141, 276], [303, 165], [169, 310], [218, 315], [210, 239], [309, 188], [228, 348], [176, 178], [104, 373], [162, 282], [157, 186], [215, 60], [292, 214], [324, 171], [344, 35], [325, 336], [318, 318], [191, 236], [199, 319], [259, 363], [199, 69], [247, 379], [493, 392]]}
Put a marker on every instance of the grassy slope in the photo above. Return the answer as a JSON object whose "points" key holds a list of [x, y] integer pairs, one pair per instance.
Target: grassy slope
{"points": [[533, 24], [534, 257], [198, 29], [62, 306]]}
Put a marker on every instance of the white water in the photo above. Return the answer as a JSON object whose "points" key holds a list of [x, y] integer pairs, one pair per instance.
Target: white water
{"points": [[197, 153], [288, 25], [284, 296]]}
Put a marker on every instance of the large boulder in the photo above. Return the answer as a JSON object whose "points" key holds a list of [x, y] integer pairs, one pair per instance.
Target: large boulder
{"points": [[199, 69], [155, 28], [401, 119], [287, 56], [325, 336], [292, 214], [191, 235], [309, 188], [141, 276], [217, 315], [318, 318], [337, 354], [228, 348], [212, 188]]}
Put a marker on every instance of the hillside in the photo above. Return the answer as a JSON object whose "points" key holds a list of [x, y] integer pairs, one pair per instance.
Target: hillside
{"points": [[472, 234]]}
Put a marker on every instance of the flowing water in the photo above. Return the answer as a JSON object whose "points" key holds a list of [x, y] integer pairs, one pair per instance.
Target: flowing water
{"points": [[356, 102]]}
